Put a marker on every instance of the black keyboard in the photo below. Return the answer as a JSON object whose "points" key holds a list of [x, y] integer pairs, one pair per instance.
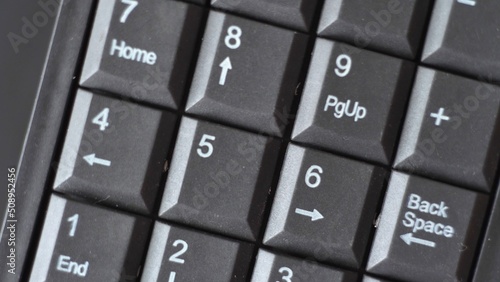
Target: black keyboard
{"points": [[262, 140]]}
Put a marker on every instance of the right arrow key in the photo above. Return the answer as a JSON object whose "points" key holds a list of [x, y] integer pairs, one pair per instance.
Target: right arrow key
{"points": [[324, 207], [427, 231]]}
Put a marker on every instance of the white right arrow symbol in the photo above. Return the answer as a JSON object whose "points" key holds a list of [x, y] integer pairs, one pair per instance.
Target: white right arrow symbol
{"points": [[225, 65], [314, 215], [408, 239], [92, 159]]}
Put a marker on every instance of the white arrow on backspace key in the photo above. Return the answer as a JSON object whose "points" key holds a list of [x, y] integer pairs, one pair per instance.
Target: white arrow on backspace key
{"points": [[408, 238], [92, 159], [314, 215]]}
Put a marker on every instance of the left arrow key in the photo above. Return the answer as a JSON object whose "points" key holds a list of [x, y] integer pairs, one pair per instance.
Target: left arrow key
{"points": [[92, 159], [121, 164]]}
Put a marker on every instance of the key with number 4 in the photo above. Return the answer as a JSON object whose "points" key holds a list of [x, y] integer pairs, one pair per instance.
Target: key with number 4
{"points": [[114, 152]]}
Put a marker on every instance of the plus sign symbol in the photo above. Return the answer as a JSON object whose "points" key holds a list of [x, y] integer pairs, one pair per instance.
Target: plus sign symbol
{"points": [[440, 116]]}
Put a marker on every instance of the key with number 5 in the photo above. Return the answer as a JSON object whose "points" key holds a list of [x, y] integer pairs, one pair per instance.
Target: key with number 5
{"points": [[219, 178], [247, 73]]}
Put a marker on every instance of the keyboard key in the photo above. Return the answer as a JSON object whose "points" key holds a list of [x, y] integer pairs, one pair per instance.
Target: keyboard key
{"points": [[247, 73], [353, 101], [177, 254], [85, 243], [142, 49], [390, 26], [465, 38], [219, 178], [297, 14], [451, 130], [324, 206], [114, 152], [427, 231], [270, 267], [487, 268]]}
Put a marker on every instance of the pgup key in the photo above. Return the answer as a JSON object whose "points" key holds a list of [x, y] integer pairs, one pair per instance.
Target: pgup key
{"points": [[353, 101], [343, 108], [114, 152]]}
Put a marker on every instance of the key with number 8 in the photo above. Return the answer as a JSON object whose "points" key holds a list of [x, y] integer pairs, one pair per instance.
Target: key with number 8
{"points": [[247, 73]]}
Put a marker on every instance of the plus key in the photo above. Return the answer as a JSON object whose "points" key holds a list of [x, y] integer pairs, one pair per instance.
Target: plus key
{"points": [[451, 130], [440, 116]]}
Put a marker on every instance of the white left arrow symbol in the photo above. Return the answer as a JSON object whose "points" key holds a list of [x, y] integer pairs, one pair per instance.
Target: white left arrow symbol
{"points": [[226, 66], [92, 159], [408, 239], [314, 215]]}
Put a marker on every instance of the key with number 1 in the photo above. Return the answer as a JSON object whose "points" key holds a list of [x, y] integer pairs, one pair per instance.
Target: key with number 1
{"points": [[86, 243]]}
